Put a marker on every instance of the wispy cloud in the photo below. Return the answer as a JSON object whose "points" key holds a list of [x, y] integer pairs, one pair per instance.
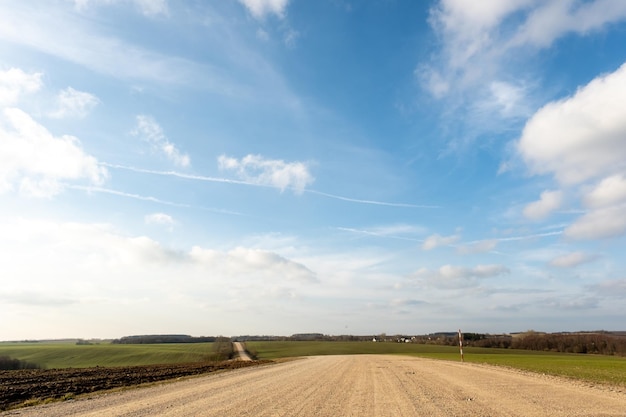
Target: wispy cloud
{"points": [[81, 41], [149, 8], [92, 189], [262, 8], [453, 277], [436, 240], [480, 66], [378, 233], [265, 185], [150, 131], [74, 103], [478, 247], [571, 260]]}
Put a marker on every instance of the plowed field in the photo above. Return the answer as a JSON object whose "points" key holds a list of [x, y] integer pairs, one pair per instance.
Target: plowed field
{"points": [[16, 387]]}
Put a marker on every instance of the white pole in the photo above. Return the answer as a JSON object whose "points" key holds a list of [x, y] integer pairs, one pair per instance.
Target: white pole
{"points": [[461, 345]]}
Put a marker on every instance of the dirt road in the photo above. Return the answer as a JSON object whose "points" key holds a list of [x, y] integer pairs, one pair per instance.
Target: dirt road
{"points": [[242, 355], [360, 385]]}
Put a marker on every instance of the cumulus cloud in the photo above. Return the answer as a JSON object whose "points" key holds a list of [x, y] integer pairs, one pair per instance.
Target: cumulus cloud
{"points": [[548, 202], [580, 141], [434, 241], [261, 8], [150, 131], [450, 277], [610, 191], [38, 163], [15, 82], [598, 224], [581, 137], [74, 103], [571, 260], [269, 172]]}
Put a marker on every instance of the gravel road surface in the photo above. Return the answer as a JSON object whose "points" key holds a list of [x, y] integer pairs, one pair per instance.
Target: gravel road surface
{"points": [[357, 385]]}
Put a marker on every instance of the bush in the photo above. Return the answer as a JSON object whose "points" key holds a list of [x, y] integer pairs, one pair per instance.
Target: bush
{"points": [[9, 364]]}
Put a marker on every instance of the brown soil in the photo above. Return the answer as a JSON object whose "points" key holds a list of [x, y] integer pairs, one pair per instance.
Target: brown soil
{"points": [[18, 387]]}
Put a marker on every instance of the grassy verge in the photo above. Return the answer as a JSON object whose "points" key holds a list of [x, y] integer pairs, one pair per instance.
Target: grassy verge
{"points": [[66, 355], [592, 368]]}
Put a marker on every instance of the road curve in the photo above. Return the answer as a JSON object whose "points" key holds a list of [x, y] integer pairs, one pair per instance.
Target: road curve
{"points": [[358, 385]]}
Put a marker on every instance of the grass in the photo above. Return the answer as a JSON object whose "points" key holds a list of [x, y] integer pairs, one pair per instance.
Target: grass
{"points": [[592, 368], [66, 355]]}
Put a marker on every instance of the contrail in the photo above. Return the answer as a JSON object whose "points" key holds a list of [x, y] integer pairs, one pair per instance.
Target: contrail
{"points": [[368, 233], [148, 198], [374, 202], [514, 238], [182, 175], [255, 184]]}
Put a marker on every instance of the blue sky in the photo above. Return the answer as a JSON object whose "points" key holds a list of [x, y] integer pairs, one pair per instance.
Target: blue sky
{"points": [[283, 166]]}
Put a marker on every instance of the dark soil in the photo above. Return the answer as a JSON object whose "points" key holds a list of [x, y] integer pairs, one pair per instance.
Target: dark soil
{"points": [[20, 386]]}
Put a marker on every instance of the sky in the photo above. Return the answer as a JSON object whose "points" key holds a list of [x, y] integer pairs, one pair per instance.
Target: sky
{"points": [[335, 166]]}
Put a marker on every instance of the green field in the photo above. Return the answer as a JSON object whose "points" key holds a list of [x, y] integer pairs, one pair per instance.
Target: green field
{"points": [[593, 368], [69, 355]]}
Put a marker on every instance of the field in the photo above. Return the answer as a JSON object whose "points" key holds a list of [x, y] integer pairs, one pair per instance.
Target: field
{"points": [[593, 368], [106, 366], [69, 355]]}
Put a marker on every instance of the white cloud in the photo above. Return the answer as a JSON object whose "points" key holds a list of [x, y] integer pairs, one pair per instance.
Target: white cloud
{"points": [[480, 67], [245, 262], [450, 277], [149, 130], [36, 26], [269, 172], [571, 260], [436, 240], [548, 202], [478, 37], [478, 247], [14, 82], [80, 261], [598, 224], [74, 103], [581, 137], [261, 8], [36, 161], [159, 218], [149, 8], [610, 191], [553, 19]]}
